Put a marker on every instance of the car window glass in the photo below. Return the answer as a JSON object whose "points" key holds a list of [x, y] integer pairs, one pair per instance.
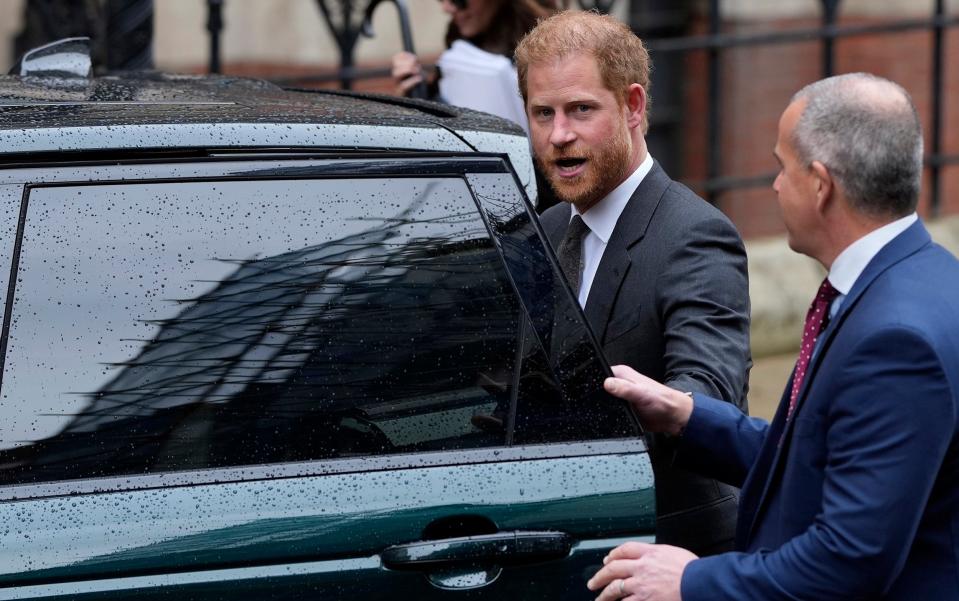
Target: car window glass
{"points": [[580, 409], [171, 326]]}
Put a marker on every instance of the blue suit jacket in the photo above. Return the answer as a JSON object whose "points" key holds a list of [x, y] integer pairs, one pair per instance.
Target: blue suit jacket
{"points": [[857, 496]]}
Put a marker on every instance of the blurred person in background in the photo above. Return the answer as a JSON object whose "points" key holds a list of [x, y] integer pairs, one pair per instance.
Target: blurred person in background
{"points": [[476, 71]]}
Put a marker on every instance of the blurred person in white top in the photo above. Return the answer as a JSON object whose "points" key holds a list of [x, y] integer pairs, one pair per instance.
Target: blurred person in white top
{"points": [[493, 27]]}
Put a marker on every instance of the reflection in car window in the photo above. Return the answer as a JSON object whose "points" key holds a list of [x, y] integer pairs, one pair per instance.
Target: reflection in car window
{"points": [[171, 326]]}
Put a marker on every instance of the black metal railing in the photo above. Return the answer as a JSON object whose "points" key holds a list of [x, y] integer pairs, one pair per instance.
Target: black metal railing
{"points": [[828, 33], [347, 26], [123, 29]]}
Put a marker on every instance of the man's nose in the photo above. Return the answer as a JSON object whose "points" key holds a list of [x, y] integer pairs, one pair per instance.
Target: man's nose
{"points": [[561, 134]]}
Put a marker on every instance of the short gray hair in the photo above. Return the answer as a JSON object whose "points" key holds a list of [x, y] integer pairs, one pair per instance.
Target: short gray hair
{"points": [[866, 131]]}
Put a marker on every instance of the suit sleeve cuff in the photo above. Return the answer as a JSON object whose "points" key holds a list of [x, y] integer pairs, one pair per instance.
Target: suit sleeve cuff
{"points": [[695, 582], [697, 426]]}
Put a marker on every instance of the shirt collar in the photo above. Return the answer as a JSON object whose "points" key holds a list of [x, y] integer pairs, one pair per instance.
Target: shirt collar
{"points": [[851, 262], [602, 217]]}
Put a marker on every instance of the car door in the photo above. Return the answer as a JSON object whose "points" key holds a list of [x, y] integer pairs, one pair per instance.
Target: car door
{"points": [[303, 378]]}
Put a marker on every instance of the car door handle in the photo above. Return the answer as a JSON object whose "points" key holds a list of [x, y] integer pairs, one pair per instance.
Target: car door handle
{"points": [[501, 548]]}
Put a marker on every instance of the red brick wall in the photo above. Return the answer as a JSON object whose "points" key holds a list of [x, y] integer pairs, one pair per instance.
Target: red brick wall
{"points": [[757, 83]]}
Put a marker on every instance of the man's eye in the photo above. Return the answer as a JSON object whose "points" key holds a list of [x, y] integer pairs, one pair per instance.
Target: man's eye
{"points": [[545, 112], [583, 108]]}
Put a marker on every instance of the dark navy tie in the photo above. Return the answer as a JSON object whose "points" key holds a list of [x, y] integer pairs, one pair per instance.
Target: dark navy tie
{"points": [[571, 252]]}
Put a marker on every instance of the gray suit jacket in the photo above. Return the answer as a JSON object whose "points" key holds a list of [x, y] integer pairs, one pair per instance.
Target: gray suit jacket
{"points": [[671, 299]]}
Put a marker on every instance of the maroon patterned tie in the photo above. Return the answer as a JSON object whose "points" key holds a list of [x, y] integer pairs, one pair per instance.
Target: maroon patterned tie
{"points": [[816, 320]]}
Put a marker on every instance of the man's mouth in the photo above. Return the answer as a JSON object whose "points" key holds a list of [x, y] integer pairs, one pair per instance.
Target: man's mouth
{"points": [[570, 167]]}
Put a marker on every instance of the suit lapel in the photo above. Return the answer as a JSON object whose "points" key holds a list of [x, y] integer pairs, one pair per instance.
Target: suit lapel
{"points": [[615, 264], [773, 453]]}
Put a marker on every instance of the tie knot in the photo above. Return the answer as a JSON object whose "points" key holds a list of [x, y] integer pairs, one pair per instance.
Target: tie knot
{"points": [[827, 293], [577, 228]]}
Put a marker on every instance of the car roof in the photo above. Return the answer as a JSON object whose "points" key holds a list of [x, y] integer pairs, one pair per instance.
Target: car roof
{"points": [[154, 98], [151, 111]]}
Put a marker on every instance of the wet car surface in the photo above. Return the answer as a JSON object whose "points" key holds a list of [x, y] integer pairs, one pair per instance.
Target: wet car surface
{"points": [[278, 344]]}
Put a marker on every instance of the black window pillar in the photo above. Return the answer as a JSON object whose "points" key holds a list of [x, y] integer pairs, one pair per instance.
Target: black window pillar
{"points": [[830, 10]]}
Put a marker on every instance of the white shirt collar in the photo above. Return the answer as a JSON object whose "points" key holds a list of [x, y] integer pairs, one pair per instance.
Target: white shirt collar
{"points": [[851, 262], [602, 217]]}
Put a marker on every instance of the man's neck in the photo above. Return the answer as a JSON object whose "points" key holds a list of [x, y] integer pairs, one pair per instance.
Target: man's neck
{"points": [[854, 227], [850, 263]]}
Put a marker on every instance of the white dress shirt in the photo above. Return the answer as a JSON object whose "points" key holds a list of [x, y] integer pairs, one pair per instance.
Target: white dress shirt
{"points": [[601, 220], [851, 262]]}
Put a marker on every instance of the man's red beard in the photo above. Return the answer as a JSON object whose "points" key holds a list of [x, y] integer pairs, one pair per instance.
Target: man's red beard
{"points": [[605, 168]]}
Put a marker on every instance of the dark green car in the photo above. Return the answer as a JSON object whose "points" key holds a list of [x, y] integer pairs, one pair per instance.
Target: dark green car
{"points": [[269, 344]]}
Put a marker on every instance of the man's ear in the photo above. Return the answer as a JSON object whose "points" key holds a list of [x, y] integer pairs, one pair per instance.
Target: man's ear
{"points": [[635, 105], [825, 186]]}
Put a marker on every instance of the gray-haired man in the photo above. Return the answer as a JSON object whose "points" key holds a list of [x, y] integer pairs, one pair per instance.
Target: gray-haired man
{"points": [[852, 492]]}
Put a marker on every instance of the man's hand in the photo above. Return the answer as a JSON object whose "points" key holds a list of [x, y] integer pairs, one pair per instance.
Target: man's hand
{"points": [[660, 408], [641, 571]]}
